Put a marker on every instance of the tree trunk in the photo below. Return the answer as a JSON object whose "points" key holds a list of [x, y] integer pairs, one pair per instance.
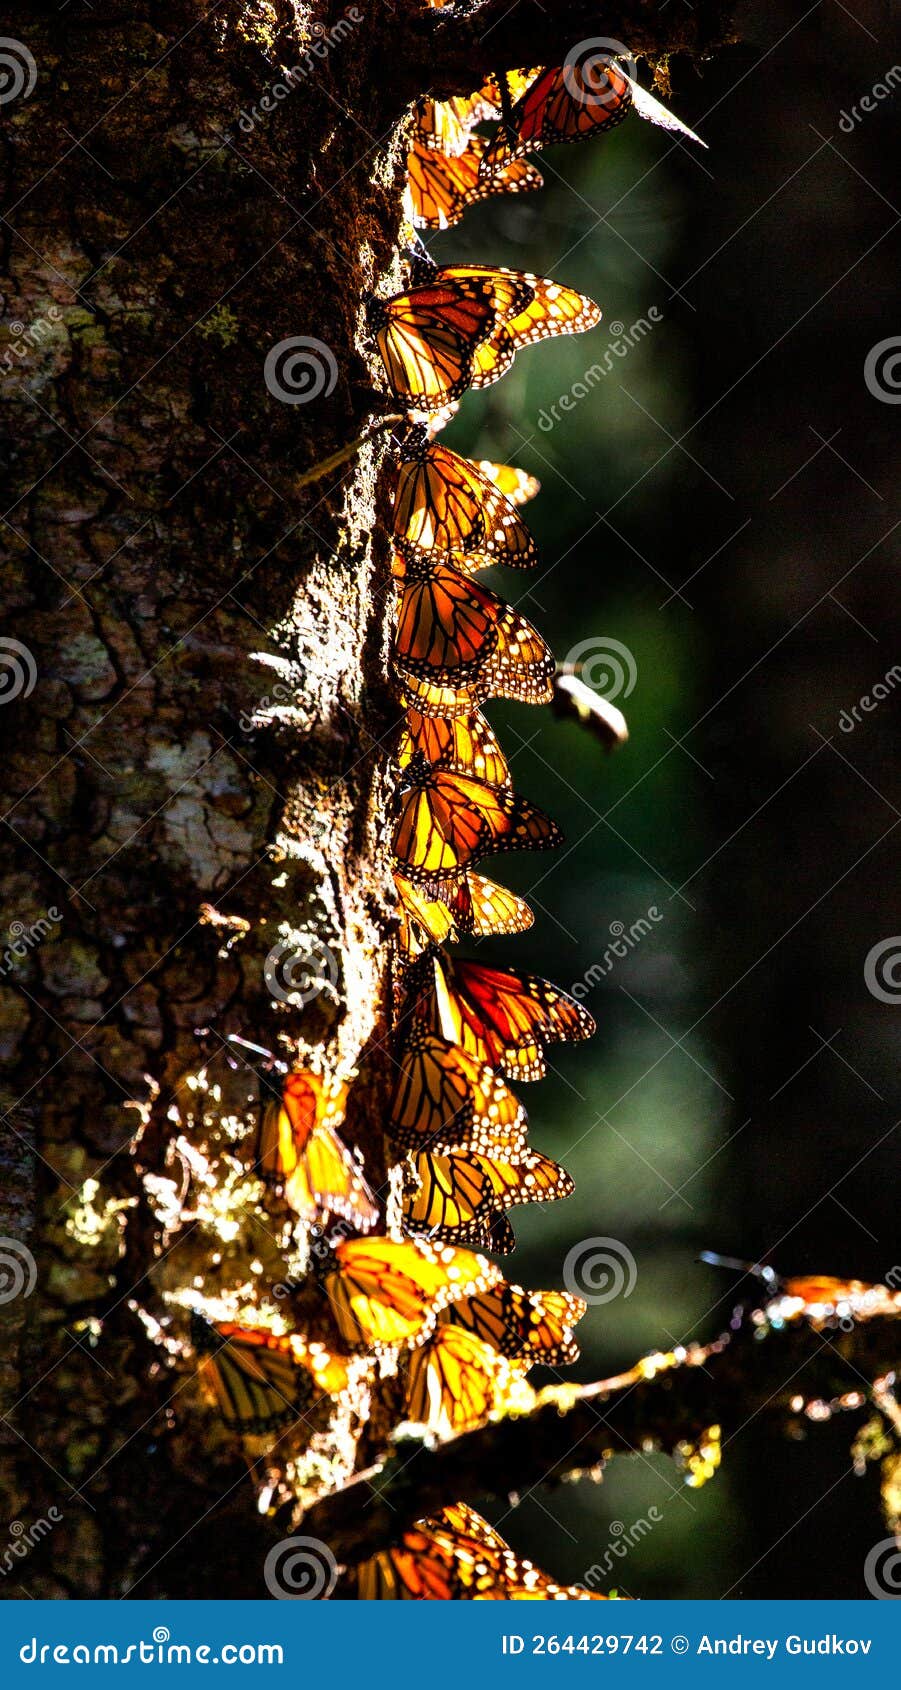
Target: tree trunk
{"points": [[196, 691]]}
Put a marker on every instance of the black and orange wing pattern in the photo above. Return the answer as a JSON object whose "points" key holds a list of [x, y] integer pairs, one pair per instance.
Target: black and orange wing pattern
{"points": [[481, 909], [424, 918], [446, 1100], [428, 336], [446, 125], [252, 1375], [299, 1149], [383, 1291], [551, 310], [569, 102], [528, 1326], [453, 1381], [461, 1197], [457, 645], [448, 820], [445, 505], [499, 1017], [465, 743], [458, 1556], [440, 186]]}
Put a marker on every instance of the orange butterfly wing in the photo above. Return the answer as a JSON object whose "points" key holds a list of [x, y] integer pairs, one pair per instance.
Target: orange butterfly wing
{"points": [[529, 1326], [552, 310], [515, 484], [482, 909], [447, 505], [385, 1292], [449, 819], [569, 102], [251, 1375], [444, 1099], [456, 1555], [299, 1149], [441, 186], [427, 336], [498, 1016], [465, 743], [453, 1381]]}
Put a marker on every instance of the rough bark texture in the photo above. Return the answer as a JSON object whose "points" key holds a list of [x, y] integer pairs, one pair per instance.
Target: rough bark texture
{"points": [[173, 592], [197, 775]]}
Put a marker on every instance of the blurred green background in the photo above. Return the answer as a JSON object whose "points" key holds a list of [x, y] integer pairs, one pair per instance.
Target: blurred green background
{"points": [[720, 813]]}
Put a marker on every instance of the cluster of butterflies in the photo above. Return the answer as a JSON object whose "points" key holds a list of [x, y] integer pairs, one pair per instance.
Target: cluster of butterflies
{"points": [[461, 1336]]}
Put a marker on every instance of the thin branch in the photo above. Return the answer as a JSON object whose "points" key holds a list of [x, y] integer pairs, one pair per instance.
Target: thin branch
{"points": [[344, 453], [661, 1403]]}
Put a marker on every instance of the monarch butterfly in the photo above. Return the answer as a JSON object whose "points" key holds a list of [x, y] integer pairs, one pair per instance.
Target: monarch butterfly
{"points": [[298, 1148], [448, 820], [427, 337], [498, 1016], [568, 102], [530, 1326], [447, 629], [465, 743], [461, 1196], [457, 644], [481, 909], [473, 905], [813, 1290], [444, 1099], [440, 187], [384, 1292], [452, 1196], [463, 327], [446, 125], [453, 1381], [446, 505], [552, 310], [456, 1555], [256, 1381]]}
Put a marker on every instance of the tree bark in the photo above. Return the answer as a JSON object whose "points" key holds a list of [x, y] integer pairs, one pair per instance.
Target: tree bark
{"points": [[198, 699]]}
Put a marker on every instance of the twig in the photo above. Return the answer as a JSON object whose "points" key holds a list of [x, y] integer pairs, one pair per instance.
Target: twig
{"points": [[659, 1404], [346, 452]]}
